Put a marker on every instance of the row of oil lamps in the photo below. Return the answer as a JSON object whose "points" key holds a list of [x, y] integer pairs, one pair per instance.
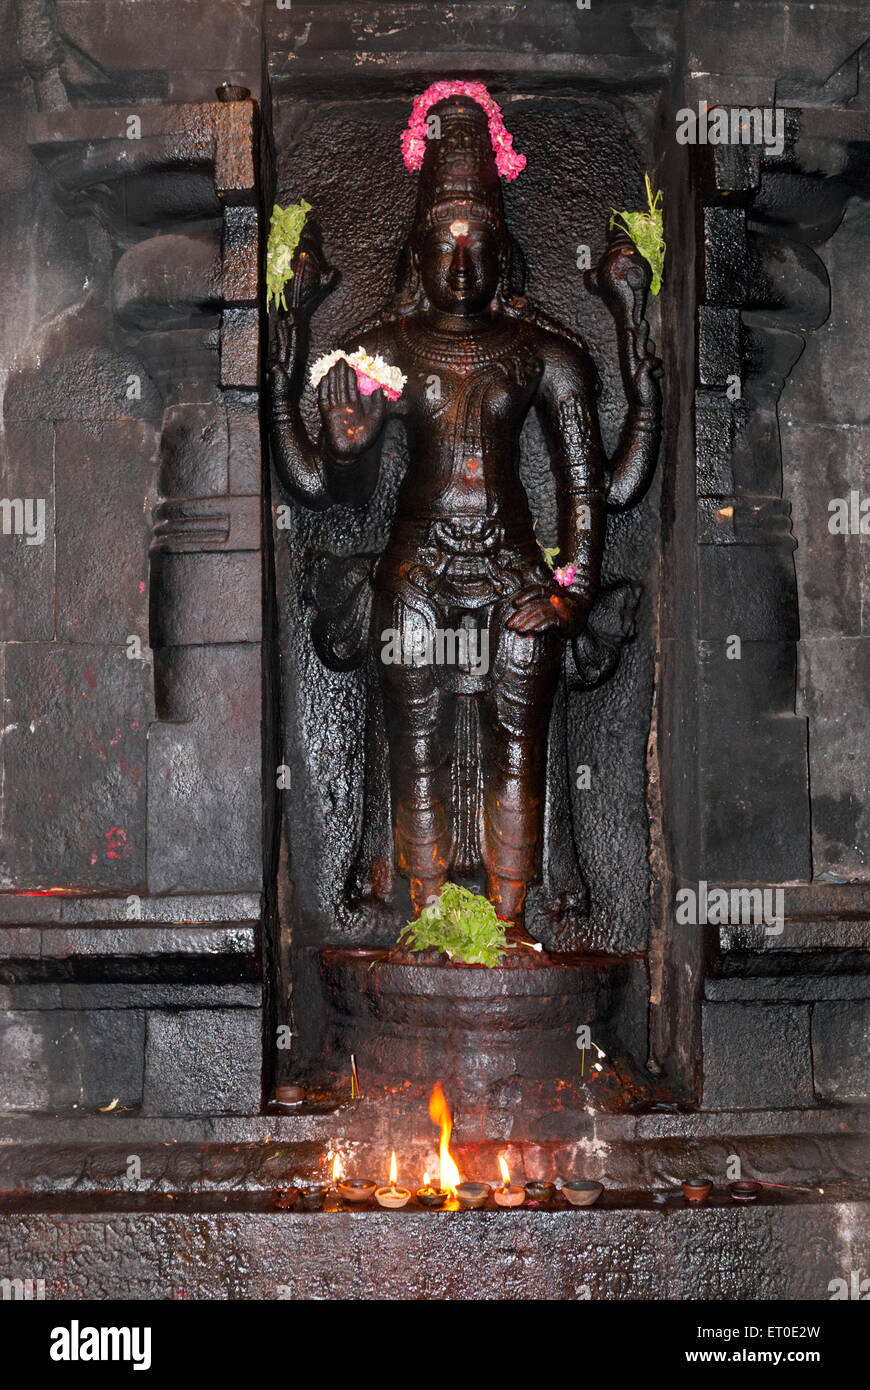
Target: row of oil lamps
{"points": [[474, 1195], [471, 1195]]}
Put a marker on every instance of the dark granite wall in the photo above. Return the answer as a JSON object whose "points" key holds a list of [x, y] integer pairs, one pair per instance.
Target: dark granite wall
{"points": [[825, 411], [131, 801]]}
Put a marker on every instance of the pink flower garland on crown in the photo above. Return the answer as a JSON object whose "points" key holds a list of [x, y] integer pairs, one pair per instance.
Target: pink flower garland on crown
{"points": [[507, 161]]}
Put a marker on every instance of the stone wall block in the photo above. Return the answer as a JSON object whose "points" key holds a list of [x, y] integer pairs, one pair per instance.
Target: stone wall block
{"points": [[202, 1062], [756, 1055]]}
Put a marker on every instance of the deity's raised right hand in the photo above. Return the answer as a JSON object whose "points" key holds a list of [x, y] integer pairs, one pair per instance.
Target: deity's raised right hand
{"points": [[350, 419]]}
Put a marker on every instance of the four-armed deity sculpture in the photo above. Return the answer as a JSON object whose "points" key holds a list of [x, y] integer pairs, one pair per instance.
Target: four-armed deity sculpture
{"points": [[467, 736]]}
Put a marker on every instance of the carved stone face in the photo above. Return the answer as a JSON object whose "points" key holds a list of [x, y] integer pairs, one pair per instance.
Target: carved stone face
{"points": [[459, 263]]}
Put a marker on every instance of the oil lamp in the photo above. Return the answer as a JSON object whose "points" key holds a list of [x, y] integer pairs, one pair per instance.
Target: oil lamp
{"points": [[429, 1196], [507, 1196], [439, 1114], [540, 1193], [473, 1194], [744, 1191], [312, 1195], [581, 1194], [697, 1189], [356, 1190], [392, 1197], [350, 1189]]}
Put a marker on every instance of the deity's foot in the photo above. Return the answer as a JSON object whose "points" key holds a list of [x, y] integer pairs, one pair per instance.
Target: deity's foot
{"points": [[563, 911], [524, 942], [369, 884], [368, 897]]}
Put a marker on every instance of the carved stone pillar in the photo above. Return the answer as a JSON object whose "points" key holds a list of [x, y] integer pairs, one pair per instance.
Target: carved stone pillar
{"points": [[150, 388]]}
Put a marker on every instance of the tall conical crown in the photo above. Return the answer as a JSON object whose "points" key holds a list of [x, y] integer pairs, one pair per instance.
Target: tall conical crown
{"points": [[459, 167]]}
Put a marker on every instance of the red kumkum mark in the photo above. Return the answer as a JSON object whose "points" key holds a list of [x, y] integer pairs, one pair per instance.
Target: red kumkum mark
{"points": [[116, 843], [35, 892], [134, 773]]}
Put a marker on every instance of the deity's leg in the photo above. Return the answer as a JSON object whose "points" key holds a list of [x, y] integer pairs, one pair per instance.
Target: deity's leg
{"points": [[514, 716], [418, 730]]}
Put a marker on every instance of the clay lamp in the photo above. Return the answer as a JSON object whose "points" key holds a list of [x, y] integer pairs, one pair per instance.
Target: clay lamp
{"points": [[697, 1189], [540, 1194], [312, 1195], [284, 1197], [473, 1194], [582, 1194], [430, 1196], [744, 1191], [353, 1190], [393, 1197], [356, 1190], [507, 1196], [230, 91], [289, 1096]]}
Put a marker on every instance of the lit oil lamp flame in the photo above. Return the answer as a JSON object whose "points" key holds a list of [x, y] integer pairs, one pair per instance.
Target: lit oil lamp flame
{"points": [[337, 1173], [393, 1169], [439, 1114], [505, 1172]]}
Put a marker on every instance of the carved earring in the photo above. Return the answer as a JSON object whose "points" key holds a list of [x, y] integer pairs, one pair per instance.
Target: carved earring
{"points": [[514, 270], [409, 289]]}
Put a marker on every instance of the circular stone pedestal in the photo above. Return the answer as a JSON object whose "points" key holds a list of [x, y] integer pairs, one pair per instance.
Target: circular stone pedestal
{"points": [[408, 1018]]}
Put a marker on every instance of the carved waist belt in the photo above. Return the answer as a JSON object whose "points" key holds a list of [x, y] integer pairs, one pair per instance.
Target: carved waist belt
{"points": [[466, 536], [465, 560]]}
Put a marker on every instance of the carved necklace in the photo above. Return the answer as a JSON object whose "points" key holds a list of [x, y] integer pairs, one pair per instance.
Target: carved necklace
{"points": [[437, 347]]}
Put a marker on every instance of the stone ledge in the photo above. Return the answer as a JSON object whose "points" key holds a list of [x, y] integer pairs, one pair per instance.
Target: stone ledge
{"points": [[785, 988], [117, 996], [772, 1250], [189, 909], [88, 1153], [331, 1119], [84, 939], [140, 952], [47, 943]]}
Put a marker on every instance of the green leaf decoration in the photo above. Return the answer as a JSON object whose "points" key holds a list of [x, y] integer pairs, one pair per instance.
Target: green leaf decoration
{"points": [[646, 230], [285, 229], [549, 552], [462, 924]]}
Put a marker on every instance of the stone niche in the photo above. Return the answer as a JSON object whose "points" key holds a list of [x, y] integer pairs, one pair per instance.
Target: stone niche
{"points": [[174, 942], [586, 153]]}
